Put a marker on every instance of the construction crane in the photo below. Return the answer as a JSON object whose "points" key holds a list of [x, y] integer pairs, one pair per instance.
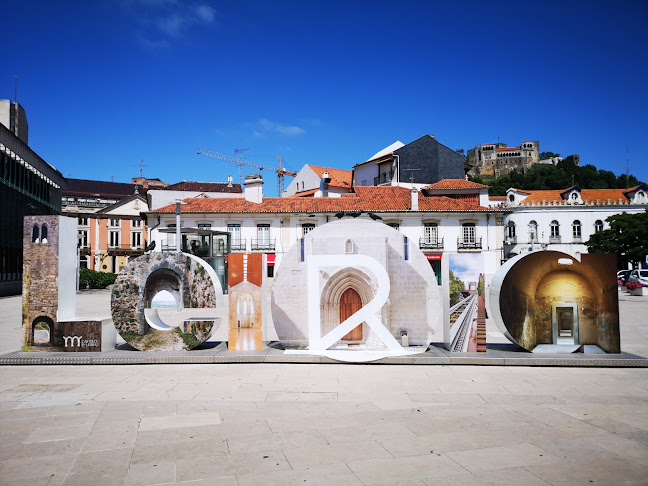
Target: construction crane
{"points": [[240, 161]]}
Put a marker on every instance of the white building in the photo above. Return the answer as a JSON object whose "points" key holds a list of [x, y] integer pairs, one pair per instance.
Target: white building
{"points": [[307, 182], [439, 221], [564, 220]]}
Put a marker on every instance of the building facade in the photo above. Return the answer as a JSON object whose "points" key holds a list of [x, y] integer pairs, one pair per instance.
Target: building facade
{"points": [[495, 159], [437, 223], [564, 220], [421, 162], [307, 181], [28, 186]]}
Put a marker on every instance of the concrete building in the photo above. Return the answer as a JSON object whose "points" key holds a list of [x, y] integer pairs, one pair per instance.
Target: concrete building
{"points": [[28, 186], [109, 222], [564, 220], [429, 160], [307, 181], [495, 159]]}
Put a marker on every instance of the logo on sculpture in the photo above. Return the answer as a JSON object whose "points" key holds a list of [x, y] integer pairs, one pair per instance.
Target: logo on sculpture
{"points": [[70, 340]]}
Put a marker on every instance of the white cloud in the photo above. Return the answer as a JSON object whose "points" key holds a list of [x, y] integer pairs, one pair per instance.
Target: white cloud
{"points": [[467, 266], [265, 126], [167, 19]]}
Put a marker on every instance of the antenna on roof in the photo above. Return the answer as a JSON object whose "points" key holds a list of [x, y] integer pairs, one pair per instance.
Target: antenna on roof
{"points": [[412, 175]]}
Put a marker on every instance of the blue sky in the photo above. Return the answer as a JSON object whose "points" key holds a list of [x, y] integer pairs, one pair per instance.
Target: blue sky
{"points": [[111, 82]]}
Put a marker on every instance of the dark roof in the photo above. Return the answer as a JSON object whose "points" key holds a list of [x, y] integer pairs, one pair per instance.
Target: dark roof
{"points": [[203, 187], [85, 187]]}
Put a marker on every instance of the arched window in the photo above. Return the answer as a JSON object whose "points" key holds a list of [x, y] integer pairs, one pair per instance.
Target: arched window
{"points": [[574, 196], [533, 231], [348, 246], [510, 229], [35, 238], [576, 230], [44, 233], [555, 230], [598, 225], [511, 198]]}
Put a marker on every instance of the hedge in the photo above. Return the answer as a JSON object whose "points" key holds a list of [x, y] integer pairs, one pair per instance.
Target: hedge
{"points": [[89, 279]]}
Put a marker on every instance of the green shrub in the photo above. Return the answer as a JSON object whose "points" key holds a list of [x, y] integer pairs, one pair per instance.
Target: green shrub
{"points": [[89, 279]]}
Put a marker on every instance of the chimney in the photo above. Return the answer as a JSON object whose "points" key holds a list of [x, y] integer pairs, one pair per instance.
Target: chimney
{"points": [[324, 184], [253, 188], [229, 181], [414, 194]]}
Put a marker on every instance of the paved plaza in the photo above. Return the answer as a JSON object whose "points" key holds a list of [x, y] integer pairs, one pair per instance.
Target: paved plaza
{"points": [[283, 424]]}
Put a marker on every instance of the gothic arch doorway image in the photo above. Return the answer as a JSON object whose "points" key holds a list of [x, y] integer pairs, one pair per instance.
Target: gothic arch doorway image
{"points": [[347, 291], [350, 303]]}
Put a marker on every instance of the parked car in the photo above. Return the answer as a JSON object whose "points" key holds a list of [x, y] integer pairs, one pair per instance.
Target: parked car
{"points": [[640, 276], [623, 275]]}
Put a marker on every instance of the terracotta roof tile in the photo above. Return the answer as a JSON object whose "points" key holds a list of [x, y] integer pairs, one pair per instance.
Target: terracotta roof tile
{"points": [[591, 195], [506, 149], [456, 184], [366, 198], [339, 177]]}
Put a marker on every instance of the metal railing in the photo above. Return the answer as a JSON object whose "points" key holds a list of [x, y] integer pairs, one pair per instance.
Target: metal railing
{"points": [[510, 240], [554, 239], [384, 178], [125, 247], [431, 243], [238, 245], [262, 245], [469, 244]]}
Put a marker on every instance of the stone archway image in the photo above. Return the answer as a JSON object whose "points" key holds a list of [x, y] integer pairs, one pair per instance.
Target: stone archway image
{"points": [[192, 283]]}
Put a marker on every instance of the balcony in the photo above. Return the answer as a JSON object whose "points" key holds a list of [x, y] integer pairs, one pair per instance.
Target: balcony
{"points": [[384, 178], [554, 239], [240, 245], [510, 240], [469, 244], [431, 243], [125, 249], [263, 245]]}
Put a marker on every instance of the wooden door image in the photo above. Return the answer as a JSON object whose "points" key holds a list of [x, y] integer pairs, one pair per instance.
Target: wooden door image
{"points": [[350, 303]]}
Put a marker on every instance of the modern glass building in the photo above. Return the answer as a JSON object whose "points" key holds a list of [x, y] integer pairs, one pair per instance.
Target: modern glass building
{"points": [[28, 186]]}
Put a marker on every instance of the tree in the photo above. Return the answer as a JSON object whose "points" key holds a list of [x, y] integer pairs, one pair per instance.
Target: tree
{"points": [[548, 155], [456, 286], [461, 152], [627, 237]]}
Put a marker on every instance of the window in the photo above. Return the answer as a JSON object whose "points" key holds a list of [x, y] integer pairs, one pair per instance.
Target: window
{"points": [[574, 196], [83, 221], [35, 233], [533, 231], [555, 229], [393, 225], [307, 228], [136, 223], [364, 182], [263, 234], [136, 239], [576, 230], [469, 233], [598, 225], [83, 238], [113, 239], [430, 233], [44, 233], [115, 223], [204, 225], [511, 198], [235, 234], [510, 229]]}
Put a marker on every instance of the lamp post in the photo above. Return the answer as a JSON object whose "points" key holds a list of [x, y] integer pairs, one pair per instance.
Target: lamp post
{"points": [[178, 234]]}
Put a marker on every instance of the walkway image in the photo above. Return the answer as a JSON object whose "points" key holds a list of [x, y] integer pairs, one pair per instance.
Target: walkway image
{"points": [[323, 424]]}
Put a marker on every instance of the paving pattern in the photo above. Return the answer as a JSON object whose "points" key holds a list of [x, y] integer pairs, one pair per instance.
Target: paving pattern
{"points": [[325, 424]]}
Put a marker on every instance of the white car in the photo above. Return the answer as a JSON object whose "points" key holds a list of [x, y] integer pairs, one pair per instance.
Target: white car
{"points": [[640, 276]]}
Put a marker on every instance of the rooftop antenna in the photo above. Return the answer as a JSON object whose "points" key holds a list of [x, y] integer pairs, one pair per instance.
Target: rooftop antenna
{"points": [[412, 175], [142, 167], [239, 153]]}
